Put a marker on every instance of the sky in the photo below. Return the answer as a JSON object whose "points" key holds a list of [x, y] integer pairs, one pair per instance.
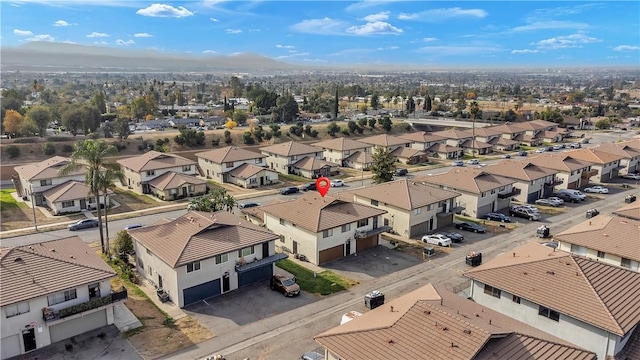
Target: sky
{"points": [[473, 33]]}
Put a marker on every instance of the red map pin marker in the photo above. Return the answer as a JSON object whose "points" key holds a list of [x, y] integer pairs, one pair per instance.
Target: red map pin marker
{"points": [[323, 184]]}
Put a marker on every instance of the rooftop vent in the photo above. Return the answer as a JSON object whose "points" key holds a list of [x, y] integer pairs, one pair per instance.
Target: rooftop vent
{"points": [[467, 331], [73, 257], [52, 250], [390, 341], [18, 259], [427, 312], [550, 272], [605, 235]]}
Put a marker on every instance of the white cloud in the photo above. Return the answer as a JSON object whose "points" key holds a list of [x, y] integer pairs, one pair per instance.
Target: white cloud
{"points": [[455, 50], [97, 35], [525, 51], [387, 48], [41, 37], [324, 26], [279, 46], [100, 43], [438, 15], [61, 23], [213, 19], [381, 16], [429, 39], [22, 32], [365, 4], [69, 42], [142, 35], [209, 52], [551, 24], [233, 31], [164, 10], [125, 42], [254, 30], [564, 42], [626, 48], [374, 28]]}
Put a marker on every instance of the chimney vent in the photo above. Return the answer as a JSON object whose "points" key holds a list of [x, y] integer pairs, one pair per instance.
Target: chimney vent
{"points": [[427, 312], [550, 272], [467, 331], [52, 250]]}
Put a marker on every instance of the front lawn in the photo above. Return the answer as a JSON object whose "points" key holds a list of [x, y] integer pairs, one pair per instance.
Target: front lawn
{"points": [[7, 202], [295, 178], [323, 283]]}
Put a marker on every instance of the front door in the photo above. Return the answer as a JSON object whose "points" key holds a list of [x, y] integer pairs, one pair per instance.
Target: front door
{"points": [[265, 250], [184, 191], [261, 180], [225, 282], [347, 247], [94, 291], [430, 224], [29, 339], [83, 204], [160, 282], [295, 247], [375, 222]]}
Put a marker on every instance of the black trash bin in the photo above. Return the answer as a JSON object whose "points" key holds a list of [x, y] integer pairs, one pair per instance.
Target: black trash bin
{"points": [[629, 199], [374, 299], [474, 258]]}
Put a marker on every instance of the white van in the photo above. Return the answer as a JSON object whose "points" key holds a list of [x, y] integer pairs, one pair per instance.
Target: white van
{"points": [[571, 194]]}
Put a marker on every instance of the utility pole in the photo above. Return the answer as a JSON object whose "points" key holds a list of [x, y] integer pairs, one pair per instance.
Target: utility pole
{"points": [[33, 208]]}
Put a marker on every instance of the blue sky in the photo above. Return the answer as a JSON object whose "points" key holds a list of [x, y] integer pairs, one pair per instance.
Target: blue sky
{"points": [[442, 33]]}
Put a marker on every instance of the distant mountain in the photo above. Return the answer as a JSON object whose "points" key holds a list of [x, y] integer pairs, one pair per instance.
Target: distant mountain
{"points": [[39, 56]]}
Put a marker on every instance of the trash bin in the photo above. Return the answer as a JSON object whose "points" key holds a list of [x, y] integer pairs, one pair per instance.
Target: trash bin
{"points": [[629, 199], [591, 213], [429, 251], [474, 258], [374, 299]]}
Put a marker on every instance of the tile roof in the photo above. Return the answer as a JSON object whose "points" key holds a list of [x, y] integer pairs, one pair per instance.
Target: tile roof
{"points": [[602, 295], [596, 156], [509, 129], [199, 235], [405, 194], [229, 154], [540, 122], [246, 171], [422, 136], [560, 161], [621, 149], [407, 152], [341, 144], [434, 321], [360, 157], [31, 271], [384, 140], [454, 134], [257, 212], [316, 213], [172, 180], [610, 234], [475, 144], [488, 131], [312, 163], [502, 141], [630, 211], [532, 125], [520, 170], [154, 160], [439, 148], [70, 190], [631, 350], [471, 180], [47, 169], [291, 148]]}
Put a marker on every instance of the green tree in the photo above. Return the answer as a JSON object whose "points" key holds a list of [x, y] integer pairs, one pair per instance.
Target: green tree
{"points": [[275, 129], [375, 101], [247, 138], [98, 101], [474, 110], [217, 199], [39, 116], [384, 165], [123, 245], [603, 124], [385, 122], [91, 118], [352, 126], [333, 128], [461, 104], [122, 128], [287, 108], [138, 108], [427, 103], [372, 123], [106, 182], [72, 120], [240, 117]]}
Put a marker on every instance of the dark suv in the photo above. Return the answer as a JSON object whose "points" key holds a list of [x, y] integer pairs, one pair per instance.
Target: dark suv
{"points": [[401, 172], [308, 186], [286, 285], [289, 190]]}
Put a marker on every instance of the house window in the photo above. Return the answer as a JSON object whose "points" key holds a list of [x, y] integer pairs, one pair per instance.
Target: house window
{"points": [[149, 252], [186, 168], [490, 290], [625, 263], [45, 182], [363, 222], [327, 233], [281, 221], [601, 254], [417, 211], [222, 258], [374, 202], [16, 309], [493, 191], [258, 161], [577, 249], [229, 164], [92, 200], [194, 266], [140, 263], [62, 297], [68, 204], [484, 194], [282, 238], [245, 251], [150, 270], [346, 227], [516, 299], [151, 173], [546, 312], [430, 207]]}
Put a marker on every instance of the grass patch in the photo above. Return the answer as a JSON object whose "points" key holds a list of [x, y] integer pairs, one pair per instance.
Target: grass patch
{"points": [[137, 197], [7, 202], [296, 178], [324, 283]]}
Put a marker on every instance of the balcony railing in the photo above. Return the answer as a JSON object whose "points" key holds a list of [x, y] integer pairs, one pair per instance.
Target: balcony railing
{"points": [[51, 315], [554, 182], [379, 230], [514, 192], [590, 173]]}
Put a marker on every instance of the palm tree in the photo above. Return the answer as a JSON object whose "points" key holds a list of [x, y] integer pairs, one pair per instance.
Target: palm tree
{"points": [[106, 180], [92, 154]]}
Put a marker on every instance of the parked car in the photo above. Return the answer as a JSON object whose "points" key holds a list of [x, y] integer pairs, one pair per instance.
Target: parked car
{"points": [[469, 226], [506, 156], [473, 162], [631, 176], [247, 205], [401, 172], [497, 217], [549, 202], [522, 153], [454, 236], [556, 199], [289, 190], [525, 213], [596, 189], [557, 147], [285, 284], [83, 224], [312, 355], [551, 244], [540, 150], [571, 195], [575, 145], [308, 186], [529, 207], [337, 183], [591, 213], [457, 163], [133, 226], [437, 239]]}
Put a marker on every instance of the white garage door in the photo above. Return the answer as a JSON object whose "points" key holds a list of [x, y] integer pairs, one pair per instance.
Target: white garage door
{"points": [[78, 326], [11, 346]]}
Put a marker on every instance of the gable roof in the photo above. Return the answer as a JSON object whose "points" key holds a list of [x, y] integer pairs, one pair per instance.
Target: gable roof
{"points": [[475, 144], [471, 180], [229, 154], [602, 295], [596, 156], [422, 137], [439, 148], [454, 134], [70, 190], [47, 169], [199, 235], [341, 144], [246, 171], [630, 211], [316, 213], [405, 194], [40, 269], [560, 161], [434, 321], [361, 157], [384, 140], [509, 129], [291, 148], [488, 131], [172, 180], [520, 170], [312, 163], [625, 149], [154, 160]]}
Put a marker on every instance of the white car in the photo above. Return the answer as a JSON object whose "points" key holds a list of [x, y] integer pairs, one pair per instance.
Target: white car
{"points": [[631, 176], [473, 162], [556, 199], [337, 183], [457, 163], [596, 189], [437, 239], [528, 206], [546, 202], [540, 150]]}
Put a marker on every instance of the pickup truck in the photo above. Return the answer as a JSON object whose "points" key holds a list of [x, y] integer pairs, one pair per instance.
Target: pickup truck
{"points": [[524, 213]]}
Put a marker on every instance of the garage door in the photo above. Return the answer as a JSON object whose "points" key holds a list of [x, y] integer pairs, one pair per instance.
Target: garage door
{"points": [[483, 210], [329, 254], [11, 346], [78, 326], [532, 197], [419, 229], [366, 243], [444, 220], [201, 292], [255, 275]]}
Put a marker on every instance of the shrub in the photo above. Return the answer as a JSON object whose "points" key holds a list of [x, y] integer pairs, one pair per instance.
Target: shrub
{"points": [[345, 131], [215, 142], [48, 148], [13, 151], [247, 138], [314, 133]]}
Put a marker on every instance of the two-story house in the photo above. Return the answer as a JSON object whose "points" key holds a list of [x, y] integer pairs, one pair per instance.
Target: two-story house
{"points": [[454, 137], [34, 179], [338, 149], [480, 191], [201, 255], [52, 291], [534, 181], [584, 301], [630, 152], [237, 166], [434, 323], [518, 134], [612, 240], [493, 136], [422, 140], [324, 228], [389, 142], [72, 196], [281, 157], [412, 208], [606, 163], [574, 173], [629, 211]]}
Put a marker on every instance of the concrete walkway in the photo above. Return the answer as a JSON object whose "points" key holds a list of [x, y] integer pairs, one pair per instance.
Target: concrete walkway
{"points": [[124, 319], [169, 307]]}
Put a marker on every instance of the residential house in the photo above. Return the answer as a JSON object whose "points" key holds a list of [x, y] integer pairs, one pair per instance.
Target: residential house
{"points": [[630, 152], [609, 239], [493, 136], [454, 137], [422, 140], [476, 147], [173, 185], [412, 208], [409, 156], [445, 151], [573, 173], [629, 211], [186, 122], [534, 181], [52, 291], [36, 178], [237, 166], [583, 301], [140, 170], [480, 191], [518, 134], [434, 323], [359, 160], [338, 149], [606, 164], [324, 228], [201, 255], [72, 196], [313, 168], [389, 142], [538, 131], [573, 123], [281, 157]]}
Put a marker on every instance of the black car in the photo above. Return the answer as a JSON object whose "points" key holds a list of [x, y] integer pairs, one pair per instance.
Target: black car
{"points": [[247, 205], [401, 172], [497, 217], [522, 153], [289, 190], [469, 226], [308, 186], [83, 224], [455, 237]]}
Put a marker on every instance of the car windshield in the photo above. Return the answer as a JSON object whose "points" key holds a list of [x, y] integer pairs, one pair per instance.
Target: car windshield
{"points": [[288, 282]]}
